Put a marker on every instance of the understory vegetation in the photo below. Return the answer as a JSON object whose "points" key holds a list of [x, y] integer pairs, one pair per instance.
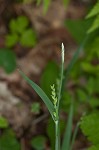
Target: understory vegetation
{"points": [[71, 93]]}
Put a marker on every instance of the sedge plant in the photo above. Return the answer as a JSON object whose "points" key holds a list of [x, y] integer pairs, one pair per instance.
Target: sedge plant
{"points": [[53, 107], [54, 104]]}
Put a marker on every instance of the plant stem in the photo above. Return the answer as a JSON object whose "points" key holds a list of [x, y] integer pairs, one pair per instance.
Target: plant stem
{"points": [[57, 126], [61, 78], [57, 135]]}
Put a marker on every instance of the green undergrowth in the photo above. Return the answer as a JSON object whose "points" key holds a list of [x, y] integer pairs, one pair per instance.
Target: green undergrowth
{"points": [[20, 32], [90, 128], [82, 78]]}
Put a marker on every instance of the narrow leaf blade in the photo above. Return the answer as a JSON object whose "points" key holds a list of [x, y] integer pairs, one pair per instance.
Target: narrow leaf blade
{"points": [[74, 136], [95, 25], [40, 92], [94, 11], [68, 131]]}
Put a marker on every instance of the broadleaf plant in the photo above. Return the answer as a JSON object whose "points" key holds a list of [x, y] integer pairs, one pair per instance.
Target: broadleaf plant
{"points": [[20, 32], [3, 122], [8, 141], [7, 60], [38, 142], [90, 127]]}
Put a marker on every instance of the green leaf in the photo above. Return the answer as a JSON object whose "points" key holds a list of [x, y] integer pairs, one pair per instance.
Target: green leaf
{"points": [[76, 71], [68, 130], [8, 141], [93, 49], [89, 68], [94, 147], [66, 2], [13, 26], [90, 127], [95, 25], [28, 38], [74, 136], [18, 25], [46, 5], [94, 11], [82, 96], [38, 2], [38, 142], [11, 40], [65, 101], [3, 122], [49, 76], [90, 85], [94, 102], [40, 92], [78, 28], [96, 82], [35, 108], [51, 132], [22, 23], [7, 60]]}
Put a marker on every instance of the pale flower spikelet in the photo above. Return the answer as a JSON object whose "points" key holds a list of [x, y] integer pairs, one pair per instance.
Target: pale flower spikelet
{"points": [[53, 95], [63, 49], [55, 99]]}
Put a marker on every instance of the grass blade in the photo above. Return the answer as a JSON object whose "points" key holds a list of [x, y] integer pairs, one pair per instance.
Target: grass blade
{"points": [[74, 136], [40, 92], [68, 131]]}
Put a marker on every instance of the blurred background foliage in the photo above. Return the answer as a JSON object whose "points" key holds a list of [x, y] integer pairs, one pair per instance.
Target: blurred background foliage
{"points": [[83, 82]]}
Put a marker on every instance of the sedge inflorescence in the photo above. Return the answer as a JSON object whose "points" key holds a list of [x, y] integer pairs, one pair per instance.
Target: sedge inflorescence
{"points": [[55, 99]]}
